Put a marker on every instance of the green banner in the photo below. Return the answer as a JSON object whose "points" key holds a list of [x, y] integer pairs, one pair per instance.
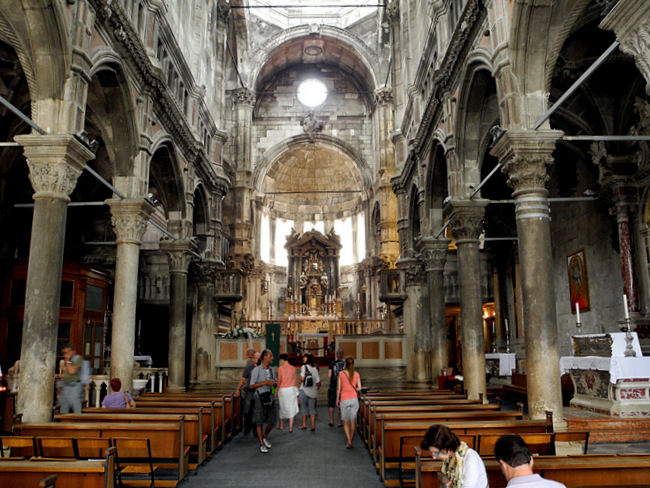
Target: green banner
{"points": [[273, 341]]}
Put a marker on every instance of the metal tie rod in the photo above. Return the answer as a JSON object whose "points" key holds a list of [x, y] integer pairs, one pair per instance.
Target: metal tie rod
{"points": [[577, 83], [21, 115], [622, 138], [480, 185]]}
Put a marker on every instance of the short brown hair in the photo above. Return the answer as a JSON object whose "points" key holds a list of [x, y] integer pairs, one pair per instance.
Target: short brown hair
{"points": [[440, 437]]}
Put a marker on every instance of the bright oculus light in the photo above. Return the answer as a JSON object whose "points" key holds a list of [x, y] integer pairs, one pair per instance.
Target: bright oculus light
{"points": [[312, 92]]}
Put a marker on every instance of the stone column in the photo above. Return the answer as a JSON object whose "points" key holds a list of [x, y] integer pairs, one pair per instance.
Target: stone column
{"points": [[55, 162], [130, 218], [467, 225], [525, 156], [203, 369], [416, 320], [434, 254], [630, 21], [389, 240], [179, 254], [626, 201]]}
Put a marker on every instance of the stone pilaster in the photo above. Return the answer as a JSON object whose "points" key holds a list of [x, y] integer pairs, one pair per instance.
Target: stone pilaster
{"points": [[467, 225], [526, 156], [55, 162], [630, 21], [203, 276], [129, 218], [434, 255], [179, 253]]}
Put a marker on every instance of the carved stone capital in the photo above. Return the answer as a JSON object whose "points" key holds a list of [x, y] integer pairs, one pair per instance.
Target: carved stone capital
{"points": [[180, 253], [243, 262], [55, 162], [413, 270], [467, 218], [129, 218], [626, 202], [223, 11], [244, 96], [204, 273], [630, 21], [434, 252], [383, 96], [526, 156]]}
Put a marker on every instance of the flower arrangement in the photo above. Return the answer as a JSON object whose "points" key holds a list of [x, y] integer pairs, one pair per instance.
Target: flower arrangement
{"points": [[245, 332]]}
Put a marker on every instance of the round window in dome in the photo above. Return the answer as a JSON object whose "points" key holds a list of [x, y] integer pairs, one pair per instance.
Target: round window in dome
{"points": [[312, 92]]}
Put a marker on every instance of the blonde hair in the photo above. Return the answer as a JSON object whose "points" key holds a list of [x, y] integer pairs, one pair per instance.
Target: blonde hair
{"points": [[349, 367]]}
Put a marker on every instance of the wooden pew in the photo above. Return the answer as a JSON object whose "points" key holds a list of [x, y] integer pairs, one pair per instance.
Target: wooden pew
{"points": [[573, 471], [518, 389], [219, 415], [194, 436], [393, 431], [167, 440], [211, 423], [69, 474], [430, 418]]}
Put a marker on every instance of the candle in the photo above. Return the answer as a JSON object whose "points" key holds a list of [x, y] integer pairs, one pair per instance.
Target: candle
{"points": [[627, 312], [577, 313], [506, 324]]}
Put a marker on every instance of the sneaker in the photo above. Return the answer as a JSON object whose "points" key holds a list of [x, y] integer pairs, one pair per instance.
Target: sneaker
{"points": [[267, 444], [264, 449]]}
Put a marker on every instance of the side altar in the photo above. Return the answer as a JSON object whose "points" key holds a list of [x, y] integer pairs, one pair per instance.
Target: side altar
{"points": [[609, 374]]}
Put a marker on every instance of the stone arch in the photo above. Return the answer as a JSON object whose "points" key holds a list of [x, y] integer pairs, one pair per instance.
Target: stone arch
{"points": [[166, 179], [110, 99], [415, 229], [362, 58], [437, 187], [477, 108], [43, 45], [201, 218]]}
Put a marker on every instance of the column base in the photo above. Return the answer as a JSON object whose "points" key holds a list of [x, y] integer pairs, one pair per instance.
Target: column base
{"points": [[175, 389]]}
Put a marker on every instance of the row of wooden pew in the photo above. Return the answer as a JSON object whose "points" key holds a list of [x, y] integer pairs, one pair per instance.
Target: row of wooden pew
{"points": [[393, 423], [183, 430]]}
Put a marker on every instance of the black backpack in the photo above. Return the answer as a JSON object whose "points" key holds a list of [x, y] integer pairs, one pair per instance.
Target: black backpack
{"points": [[336, 370], [309, 379]]}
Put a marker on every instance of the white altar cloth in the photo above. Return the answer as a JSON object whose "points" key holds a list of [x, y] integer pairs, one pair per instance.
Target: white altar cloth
{"points": [[507, 362], [620, 368]]}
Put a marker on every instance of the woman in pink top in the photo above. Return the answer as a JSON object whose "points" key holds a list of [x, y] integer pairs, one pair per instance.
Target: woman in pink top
{"points": [[287, 392], [347, 394]]}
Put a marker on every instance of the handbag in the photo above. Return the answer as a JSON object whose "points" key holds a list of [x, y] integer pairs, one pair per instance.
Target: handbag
{"points": [[126, 399], [266, 399]]}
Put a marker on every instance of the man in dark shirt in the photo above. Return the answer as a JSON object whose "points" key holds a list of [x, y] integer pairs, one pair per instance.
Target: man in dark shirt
{"points": [[335, 368], [244, 388]]}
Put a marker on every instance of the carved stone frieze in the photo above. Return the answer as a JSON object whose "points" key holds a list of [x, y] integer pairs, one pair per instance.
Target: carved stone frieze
{"points": [[243, 262], [244, 96], [413, 271], [383, 96], [388, 261], [467, 218], [129, 218]]}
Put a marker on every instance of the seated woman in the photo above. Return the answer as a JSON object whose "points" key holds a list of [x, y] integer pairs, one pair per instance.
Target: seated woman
{"points": [[117, 399], [462, 467]]}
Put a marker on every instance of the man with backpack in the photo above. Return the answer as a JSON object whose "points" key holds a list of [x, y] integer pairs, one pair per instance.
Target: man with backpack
{"points": [[335, 368], [71, 387]]}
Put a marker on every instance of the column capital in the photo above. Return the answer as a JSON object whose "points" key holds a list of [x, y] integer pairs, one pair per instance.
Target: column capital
{"points": [[204, 273], [55, 162], [467, 218], [413, 270], [244, 96], [434, 252], [180, 253], [626, 201], [525, 156], [383, 96], [129, 218]]}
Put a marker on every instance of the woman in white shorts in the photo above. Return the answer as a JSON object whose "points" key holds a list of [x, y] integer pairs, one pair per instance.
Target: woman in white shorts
{"points": [[347, 394]]}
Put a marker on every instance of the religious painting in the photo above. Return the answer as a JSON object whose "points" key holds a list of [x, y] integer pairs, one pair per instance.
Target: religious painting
{"points": [[578, 280]]}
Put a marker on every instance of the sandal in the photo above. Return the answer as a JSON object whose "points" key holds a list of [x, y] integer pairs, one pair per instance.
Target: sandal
{"points": [[331, 424], [302, 427]]}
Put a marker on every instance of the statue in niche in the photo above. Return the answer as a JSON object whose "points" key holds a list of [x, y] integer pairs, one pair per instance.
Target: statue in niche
{"points": [[303, 280], [324, 281], [310, 125]]}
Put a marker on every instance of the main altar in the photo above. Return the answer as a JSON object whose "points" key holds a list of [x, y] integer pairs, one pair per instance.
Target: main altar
{"points": [[609, 374]]}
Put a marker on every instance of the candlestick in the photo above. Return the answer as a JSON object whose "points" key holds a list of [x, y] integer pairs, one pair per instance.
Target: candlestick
{"points": [[627, 312]]}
